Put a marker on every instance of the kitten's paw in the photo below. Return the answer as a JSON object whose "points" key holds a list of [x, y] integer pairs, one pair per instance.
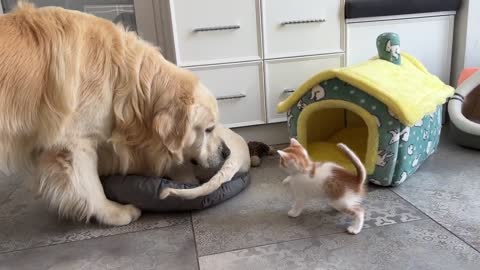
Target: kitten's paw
{"points": [[354, 230], [294, 213]]}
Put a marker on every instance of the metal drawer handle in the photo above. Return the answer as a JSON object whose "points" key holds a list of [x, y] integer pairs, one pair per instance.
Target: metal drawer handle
{"points": [[288, 90], [232, 97], [303, 21], [216, 28]]}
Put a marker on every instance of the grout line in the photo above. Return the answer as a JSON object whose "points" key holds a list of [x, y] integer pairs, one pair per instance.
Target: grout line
{"points": [[16, 186], [307, 237], [9, 195], [438, 223], [194, 240], [89, 239]]}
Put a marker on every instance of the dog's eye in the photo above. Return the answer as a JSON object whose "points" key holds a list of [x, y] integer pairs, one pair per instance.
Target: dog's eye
{"points": [[210, 129]]}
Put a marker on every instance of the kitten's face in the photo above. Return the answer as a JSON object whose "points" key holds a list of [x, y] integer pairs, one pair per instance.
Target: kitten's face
{"points": [[294, 159]]}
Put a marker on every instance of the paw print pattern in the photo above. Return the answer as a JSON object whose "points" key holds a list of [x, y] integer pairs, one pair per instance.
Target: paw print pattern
{"points": [[411, 149], [425, 134], [415, 161]]}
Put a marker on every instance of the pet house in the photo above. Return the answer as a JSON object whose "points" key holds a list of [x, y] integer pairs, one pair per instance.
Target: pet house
{"points": [[388, 110]]}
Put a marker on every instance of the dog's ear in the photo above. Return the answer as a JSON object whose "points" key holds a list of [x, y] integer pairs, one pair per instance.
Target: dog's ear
{"points": [[171, 126]]}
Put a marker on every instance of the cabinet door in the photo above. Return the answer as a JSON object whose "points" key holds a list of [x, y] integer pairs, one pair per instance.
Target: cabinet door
{"points": [[428, 39], [239, 91], [285, 75], [215, 31], [302, 27]]}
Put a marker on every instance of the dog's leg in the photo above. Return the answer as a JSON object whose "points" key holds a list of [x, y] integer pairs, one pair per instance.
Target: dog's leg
{"points": [[225, 174], [68, 180]]}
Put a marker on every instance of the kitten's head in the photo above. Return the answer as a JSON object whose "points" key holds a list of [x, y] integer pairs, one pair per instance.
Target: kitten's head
{"points": [[294, 159]]}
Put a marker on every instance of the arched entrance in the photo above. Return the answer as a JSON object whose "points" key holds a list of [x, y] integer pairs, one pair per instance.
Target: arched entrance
{"points": [[323, 124]]}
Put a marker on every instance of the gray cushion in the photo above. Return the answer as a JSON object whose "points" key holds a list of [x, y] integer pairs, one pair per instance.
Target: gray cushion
{"points": [[144, 192]]}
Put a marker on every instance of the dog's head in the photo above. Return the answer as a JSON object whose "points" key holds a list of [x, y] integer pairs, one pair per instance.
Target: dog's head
{"points": [[191, 131], [166, 116], [203, 144]]}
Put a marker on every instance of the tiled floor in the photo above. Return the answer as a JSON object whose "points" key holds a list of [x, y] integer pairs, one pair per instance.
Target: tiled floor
{"points": [[432, 221]]}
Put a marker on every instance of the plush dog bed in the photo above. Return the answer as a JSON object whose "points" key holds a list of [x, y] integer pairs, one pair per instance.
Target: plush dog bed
{"points": [[144, 192], [463, 109]]}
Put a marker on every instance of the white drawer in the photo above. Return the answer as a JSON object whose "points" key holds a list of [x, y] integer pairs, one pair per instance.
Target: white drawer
{"points": [[282, 76], [302, 27], [215, 31], [239, 91]]}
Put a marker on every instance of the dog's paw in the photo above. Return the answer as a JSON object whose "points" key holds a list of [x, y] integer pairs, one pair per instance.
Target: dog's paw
{"points": [[353, 229], [294, 213], [165, 193], [134, 212], [114, 214]]}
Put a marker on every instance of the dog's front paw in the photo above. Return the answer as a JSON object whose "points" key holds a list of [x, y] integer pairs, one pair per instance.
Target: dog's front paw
{"points": [[294, 213], [165, 193], [115, 214]]}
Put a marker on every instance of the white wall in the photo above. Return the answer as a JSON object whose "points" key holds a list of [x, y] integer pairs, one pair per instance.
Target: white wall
{"points": [[466, 46]]}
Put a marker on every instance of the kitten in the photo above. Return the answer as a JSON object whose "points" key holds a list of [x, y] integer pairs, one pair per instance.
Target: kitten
{"points": [[343, 189]]}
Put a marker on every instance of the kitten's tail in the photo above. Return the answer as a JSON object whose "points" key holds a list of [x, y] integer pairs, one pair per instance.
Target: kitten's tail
{"points": [[361, 172]]}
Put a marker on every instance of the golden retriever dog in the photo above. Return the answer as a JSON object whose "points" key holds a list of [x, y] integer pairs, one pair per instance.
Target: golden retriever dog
{"points": [[237, 161], [81, 97]]}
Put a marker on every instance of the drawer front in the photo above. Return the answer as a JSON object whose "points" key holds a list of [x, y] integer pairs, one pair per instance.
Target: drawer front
{"points": [[282, 76], [302, 27], [239, 91], [215, 31]]}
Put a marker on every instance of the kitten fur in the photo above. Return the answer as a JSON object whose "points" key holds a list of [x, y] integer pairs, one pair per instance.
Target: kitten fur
{"points": [[343, 189]]}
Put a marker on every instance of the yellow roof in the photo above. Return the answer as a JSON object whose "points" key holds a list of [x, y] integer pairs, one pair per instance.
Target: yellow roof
{"points": [[408, 90]]}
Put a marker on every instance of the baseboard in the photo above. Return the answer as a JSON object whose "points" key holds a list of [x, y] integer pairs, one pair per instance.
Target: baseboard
{"points": [[270, 134]]}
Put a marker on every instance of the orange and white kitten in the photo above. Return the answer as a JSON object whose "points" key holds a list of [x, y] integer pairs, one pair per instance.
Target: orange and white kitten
{"points": [[343, 190]]}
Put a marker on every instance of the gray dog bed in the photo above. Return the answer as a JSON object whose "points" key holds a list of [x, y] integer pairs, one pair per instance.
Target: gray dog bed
{"points": [[143, 192], [464, 113]]}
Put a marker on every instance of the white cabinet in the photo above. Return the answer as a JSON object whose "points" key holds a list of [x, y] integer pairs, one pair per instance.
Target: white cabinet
{"points": [[239, 92], [215, 31], [428, 38], [302, 27], [284, 75], [248, 51]]}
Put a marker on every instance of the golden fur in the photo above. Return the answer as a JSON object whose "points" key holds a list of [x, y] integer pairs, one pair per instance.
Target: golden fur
{"points": [[76, 89]]}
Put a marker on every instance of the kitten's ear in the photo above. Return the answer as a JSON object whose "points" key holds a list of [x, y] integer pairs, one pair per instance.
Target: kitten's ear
{"points": [[282, 153], [293, 141]]}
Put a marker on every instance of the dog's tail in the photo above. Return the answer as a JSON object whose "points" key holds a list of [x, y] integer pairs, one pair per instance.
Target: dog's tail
{"points": [[361, 171], [225, 174]]}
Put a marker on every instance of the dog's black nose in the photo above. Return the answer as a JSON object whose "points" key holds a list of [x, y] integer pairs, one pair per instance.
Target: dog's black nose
{"points": [[194, 162], [225, 151]]}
